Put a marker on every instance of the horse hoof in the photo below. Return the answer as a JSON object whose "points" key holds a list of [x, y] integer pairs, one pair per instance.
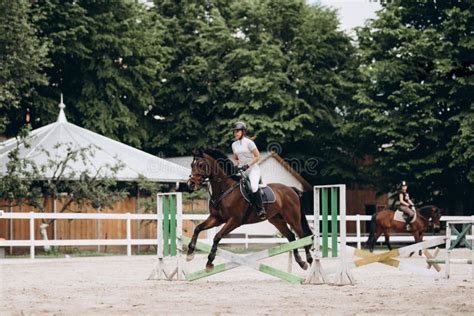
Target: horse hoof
{"points": [[304, 266], [209, 267], [190, 257]]}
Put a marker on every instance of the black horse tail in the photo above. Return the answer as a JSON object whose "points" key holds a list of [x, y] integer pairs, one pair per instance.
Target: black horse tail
{"points": [[304, 222]]}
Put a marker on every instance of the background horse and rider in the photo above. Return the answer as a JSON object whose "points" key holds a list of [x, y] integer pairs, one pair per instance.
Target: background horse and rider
{"points": [[427, 217]]}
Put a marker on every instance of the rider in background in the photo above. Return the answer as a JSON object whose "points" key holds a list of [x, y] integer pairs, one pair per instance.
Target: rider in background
{"points": [[406, 205], [246, 156]]}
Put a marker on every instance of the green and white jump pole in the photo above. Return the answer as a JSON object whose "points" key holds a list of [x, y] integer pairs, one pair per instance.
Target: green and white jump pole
{"points": [[330, 201], [169, 230], [460, 236]]}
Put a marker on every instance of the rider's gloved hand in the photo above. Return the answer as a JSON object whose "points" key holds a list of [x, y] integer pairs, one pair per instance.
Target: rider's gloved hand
{"points": [[244, 167]]}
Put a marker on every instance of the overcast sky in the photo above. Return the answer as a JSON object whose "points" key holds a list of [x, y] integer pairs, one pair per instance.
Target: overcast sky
{"points": [[352, 13]]}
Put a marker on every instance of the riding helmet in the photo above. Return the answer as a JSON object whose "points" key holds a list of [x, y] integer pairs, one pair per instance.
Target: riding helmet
{"points": [[240, 125]]}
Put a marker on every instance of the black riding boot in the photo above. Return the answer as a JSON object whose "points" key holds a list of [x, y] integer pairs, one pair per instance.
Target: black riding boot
{"points": [[257, 196], [407, 221]]}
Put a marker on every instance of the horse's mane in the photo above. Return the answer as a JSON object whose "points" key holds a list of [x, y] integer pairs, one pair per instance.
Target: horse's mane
{"points": [[224, 162]]}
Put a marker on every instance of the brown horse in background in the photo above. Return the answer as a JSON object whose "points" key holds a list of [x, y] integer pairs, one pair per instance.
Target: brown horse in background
{"points": [[383, 222], [228, 207]]}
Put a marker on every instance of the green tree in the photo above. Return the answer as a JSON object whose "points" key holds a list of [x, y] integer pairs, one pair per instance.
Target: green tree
{"points": [[22, 60], [106, 57], [415, 109], [188, 93], [282, 66]]}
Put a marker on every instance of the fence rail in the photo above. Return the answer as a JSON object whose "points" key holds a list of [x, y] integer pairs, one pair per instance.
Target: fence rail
{"points": [[129, 242]]}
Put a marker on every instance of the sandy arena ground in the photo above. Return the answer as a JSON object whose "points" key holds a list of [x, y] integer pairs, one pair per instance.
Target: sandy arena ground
{"points": [[119, 285]]}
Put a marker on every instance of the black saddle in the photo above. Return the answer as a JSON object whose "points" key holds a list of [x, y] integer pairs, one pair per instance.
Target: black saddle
{"points": [[268, 196]]}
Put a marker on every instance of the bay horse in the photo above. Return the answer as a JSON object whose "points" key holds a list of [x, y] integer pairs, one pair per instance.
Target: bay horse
{"points": [[227, 205], [383, 222]]}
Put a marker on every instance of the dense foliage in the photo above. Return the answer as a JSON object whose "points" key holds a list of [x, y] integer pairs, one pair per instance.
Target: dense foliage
{"points": [[393, 104]]}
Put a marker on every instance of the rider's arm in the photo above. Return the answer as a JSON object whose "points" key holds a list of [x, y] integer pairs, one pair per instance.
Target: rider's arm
{"points": [[402, 202], [410, 202], [236, 160], [256, 157]]}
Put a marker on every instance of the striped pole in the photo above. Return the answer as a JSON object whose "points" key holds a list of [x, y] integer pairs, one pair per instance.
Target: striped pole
{"points": [[172, 203], [324, 204], [166, 226], [169, 230]]}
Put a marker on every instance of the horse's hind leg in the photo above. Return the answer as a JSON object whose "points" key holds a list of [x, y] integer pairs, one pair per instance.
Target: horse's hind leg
{"points": [[378, 232], [418, 238], [280, 224], [387, 239]]}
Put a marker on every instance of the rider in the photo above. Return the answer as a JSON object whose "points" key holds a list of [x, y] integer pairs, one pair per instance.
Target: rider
{"points": [[246, 156], [406, 205]]}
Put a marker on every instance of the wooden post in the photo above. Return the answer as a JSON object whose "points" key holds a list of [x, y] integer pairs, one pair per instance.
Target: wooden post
{"points": [[448, 250], [472, 247], [129, 235], [359, 244]]}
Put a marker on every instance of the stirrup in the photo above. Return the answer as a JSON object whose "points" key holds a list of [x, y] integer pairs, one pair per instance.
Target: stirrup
{"points": [[408, 227]]}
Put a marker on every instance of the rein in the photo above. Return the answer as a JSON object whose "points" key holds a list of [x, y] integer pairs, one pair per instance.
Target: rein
{"points": [[215, 202]]}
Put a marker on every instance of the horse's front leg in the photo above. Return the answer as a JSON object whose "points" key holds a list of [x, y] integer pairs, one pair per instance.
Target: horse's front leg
{"points": [[208, 223], [231, 224], [418, 237]]}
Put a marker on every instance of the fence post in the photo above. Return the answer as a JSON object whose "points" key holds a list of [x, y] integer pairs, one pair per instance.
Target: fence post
{"points": [[472, 245], [129, 235], [32, 235], [334, 222], [359, 246], [447, 265]]}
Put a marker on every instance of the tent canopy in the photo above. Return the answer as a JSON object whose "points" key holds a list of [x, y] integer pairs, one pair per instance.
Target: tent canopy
{"points": [[51, 142]]}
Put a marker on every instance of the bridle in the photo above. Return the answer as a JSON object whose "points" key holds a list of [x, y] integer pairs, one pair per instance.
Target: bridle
{"points": [[205, 178]]}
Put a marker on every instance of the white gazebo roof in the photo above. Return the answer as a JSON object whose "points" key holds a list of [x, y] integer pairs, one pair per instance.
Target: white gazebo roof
{"points": [[107, 152]]}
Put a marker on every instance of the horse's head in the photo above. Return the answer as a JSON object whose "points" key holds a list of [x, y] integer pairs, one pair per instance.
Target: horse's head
{"points": [[201, 170], [433, 214]]}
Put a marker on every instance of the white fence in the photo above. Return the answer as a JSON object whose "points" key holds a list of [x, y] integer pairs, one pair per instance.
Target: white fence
{"points": [[259, 229]]}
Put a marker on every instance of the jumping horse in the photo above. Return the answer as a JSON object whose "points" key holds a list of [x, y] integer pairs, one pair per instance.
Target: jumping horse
{"points": [[227, 205], [384, 222]]}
